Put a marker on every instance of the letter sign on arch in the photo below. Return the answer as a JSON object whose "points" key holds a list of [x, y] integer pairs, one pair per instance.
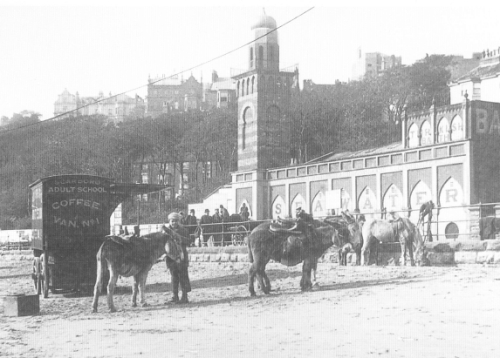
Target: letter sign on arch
{"points": [[278, 207], [393, 199], [319, 205], [299, 202], [420, 194], [451, 197], [451, 194], [367, 201]]}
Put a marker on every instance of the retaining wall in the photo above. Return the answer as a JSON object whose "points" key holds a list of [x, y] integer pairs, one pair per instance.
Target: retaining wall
{"points": [[437, 253]]}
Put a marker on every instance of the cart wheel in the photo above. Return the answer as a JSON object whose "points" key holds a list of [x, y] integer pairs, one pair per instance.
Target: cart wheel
{"points": [[44, 276], [238, 238], [36, 276]]}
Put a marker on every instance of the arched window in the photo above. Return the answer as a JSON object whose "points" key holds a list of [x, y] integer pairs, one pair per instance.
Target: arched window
{"points": [[247, 116], [457, 128], [253, 83], [251, 54], [270, 55], [443, 131], [413, 136], [243, 88], [248, 85], [426, 133], [238, 89], [261, 55]]}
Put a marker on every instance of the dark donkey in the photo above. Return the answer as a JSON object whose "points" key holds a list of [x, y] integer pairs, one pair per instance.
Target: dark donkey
{"points": [[300, 243], [133, 257]]}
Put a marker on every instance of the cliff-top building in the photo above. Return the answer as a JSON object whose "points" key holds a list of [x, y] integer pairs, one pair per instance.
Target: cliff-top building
{"points": [[116, 108], [172, 94]]}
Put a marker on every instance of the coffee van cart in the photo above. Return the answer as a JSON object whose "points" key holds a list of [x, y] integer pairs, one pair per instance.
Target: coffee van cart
{"points": [[70, 219]]}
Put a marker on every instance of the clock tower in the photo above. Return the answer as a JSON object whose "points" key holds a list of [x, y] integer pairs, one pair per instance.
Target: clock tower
{"points": [[264, 93]]}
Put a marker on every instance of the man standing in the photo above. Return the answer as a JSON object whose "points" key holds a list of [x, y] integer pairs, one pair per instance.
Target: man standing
{"points": [[206, 227], [191, 222], [179, 270], [244, 212], [224, 213], [217, 227]]}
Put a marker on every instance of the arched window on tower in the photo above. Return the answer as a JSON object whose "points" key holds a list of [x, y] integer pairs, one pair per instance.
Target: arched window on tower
{"points": [[261, 55], [253, 83], [238, 89], [251, 57], [247, 117], [248, 85], [270, 54], [242, 88]]}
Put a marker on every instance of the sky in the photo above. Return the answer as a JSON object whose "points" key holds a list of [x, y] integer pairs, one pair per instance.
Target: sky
{"points": [[113, 47]]}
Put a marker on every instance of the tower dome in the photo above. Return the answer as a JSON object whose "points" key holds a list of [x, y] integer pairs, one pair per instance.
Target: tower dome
{"points": [[264, 21]]}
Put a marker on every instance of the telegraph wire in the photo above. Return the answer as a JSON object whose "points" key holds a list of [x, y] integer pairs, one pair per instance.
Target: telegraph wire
{"points": [[162, 78]]}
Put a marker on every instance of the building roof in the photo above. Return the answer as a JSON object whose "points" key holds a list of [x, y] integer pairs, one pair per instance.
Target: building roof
{"points": [[222, 84], [264, 21], [360, 153], [483, 71]]}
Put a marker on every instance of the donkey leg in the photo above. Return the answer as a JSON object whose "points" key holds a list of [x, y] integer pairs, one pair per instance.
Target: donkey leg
{"points": [[113, 277], [365, 253], [142, 287], [251, 278], [410, 252], [305, 282], [97, 287], [135, 287], [403, 252]]}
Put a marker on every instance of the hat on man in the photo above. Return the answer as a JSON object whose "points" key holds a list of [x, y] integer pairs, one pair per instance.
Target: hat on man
{"points": [[174, 216], [207, 211], [298, 209]]}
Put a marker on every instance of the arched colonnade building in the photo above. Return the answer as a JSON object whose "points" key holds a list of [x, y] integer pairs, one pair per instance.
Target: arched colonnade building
{"points": [[449, 155]]}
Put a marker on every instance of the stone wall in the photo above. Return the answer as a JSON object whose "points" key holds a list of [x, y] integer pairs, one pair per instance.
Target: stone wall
{"points": [[437, 253]]}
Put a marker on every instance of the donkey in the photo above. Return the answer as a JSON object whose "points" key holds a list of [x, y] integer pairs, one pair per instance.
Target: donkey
{"points": [[402, 230], [133, 257], [300, 243]]}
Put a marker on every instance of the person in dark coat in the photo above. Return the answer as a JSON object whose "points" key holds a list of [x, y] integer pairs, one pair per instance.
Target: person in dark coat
{"points": [[244, 212], [179, 270], [191, 222], [302, 215], [217, 226], [205, 223], [224, 214]]}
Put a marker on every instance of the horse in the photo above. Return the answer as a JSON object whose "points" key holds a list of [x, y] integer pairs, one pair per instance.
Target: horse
{"points": [[289, 246], [133, 257], [384, 231]]}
